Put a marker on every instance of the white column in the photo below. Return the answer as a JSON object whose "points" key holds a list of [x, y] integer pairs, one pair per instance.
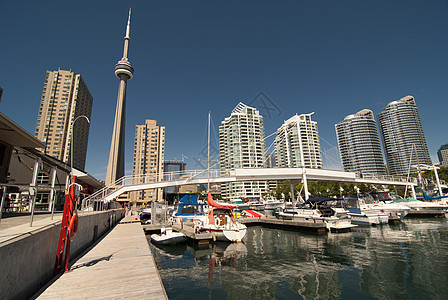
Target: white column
{"points": [[2, 202], [33, 189], [438, 181], [51, 201]]}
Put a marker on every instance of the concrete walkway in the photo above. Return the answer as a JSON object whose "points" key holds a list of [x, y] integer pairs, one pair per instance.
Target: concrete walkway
{"points": [[120, 266], [18, 226]]}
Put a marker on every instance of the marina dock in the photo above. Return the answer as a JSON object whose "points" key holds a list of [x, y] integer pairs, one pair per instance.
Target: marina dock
{"points": [[120, 266], [189, 232], [185, 229], [292, 224]]}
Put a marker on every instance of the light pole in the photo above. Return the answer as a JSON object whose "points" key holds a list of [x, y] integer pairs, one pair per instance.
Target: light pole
{"points": [[71, 143]]}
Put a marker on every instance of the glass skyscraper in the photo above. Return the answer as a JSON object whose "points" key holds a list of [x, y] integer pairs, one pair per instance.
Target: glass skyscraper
{"points": [[402, 135], [359, 144]]}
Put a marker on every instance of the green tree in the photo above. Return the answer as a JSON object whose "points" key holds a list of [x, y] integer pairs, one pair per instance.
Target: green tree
{"points": [[322, 189]]}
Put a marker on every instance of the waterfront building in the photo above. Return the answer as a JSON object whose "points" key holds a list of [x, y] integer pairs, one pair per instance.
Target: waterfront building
{"points": [[297, 143], [359, 144], [442, 153], [149, 149], [402, 135], [173, 169], [124, 71], [242, 145], [270, 161], [65, 97]]}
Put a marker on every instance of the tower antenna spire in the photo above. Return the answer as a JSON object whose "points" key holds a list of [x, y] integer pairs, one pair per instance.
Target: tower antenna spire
{"points": [[127, 38]]}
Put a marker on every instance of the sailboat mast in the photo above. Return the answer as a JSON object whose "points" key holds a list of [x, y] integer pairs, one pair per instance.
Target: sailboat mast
{"points": [[208, 155]]}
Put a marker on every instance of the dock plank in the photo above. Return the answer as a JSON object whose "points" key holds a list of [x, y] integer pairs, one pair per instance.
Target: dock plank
{"points": [[120, 266]]}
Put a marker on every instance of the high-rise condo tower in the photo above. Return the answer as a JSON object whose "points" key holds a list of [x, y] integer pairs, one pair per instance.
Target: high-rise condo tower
{"points": [[402, 135], [149, 149], [242, 145], [65, 97], [297, 143], [359, 144]]}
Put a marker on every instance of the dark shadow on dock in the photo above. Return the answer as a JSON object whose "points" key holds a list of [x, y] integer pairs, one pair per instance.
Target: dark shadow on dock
{"points": [[92, 262]]}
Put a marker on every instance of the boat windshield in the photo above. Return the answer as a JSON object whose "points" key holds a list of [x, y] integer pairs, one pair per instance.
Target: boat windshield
{"points": [[191, 209], [380, 196]]}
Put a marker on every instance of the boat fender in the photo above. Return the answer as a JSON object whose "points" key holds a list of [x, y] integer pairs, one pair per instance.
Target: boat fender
{"points": [[73, 225]]}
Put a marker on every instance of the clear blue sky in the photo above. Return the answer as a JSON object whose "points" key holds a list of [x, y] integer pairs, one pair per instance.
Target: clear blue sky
{"points": [[333, 58]]}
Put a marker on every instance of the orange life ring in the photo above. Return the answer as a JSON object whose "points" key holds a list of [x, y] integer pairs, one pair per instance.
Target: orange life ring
{"points": [[73, 225]]}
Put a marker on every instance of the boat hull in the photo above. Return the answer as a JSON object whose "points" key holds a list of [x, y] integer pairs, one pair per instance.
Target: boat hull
{"points": [[331, 223], [368, 219], [227, 235], [171, 239]]}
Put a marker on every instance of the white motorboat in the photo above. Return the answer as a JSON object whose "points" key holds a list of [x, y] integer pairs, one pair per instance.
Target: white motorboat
{"points": [[168, 237], [381, 202], [256, 205], [360, 217], [332, 222], [321, 210], [364, 216], [273, 204], [426, 208]]}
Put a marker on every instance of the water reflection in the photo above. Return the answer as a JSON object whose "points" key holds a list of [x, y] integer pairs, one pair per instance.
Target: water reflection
{"points": [[407, 260]]}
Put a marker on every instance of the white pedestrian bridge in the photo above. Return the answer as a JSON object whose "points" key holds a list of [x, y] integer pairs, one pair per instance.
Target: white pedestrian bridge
{"points": [[154, 181]]}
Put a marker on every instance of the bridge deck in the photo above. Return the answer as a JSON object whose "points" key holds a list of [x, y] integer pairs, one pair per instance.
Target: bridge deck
{"points": [[120, 266]]}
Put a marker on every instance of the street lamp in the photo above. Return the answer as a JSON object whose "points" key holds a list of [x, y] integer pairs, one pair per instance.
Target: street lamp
{"points": [[71, 143]]}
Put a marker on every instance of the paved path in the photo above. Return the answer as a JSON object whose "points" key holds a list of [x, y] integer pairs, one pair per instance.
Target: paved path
{"points": [[120, 266], [17, 226]]}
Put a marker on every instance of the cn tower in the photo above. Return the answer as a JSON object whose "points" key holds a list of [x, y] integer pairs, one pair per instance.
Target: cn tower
{"points": [[124, 71]]}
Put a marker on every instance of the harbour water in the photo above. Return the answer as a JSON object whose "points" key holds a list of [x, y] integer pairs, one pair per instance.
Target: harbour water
{"points": [[403, 261]]}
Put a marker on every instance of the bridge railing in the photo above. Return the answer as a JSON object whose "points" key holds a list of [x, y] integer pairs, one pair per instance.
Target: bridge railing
{"points": [[89, 202], [385, 177]]}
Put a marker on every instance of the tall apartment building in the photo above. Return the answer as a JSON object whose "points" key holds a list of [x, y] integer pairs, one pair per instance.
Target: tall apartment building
{"points": [[359, 144], [297, 143], [242, 145], [65, 97], [402, 134], [149, 149], [442, 153]]}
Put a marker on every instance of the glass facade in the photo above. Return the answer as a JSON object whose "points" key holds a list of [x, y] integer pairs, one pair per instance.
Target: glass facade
{"points": [[402, 135], [359, 144]]}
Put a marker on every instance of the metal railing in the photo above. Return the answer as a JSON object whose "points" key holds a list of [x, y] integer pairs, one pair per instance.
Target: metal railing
{"points": [[385, 177], [88, 203]]}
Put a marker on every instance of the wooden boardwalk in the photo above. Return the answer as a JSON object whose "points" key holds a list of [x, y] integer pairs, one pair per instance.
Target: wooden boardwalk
{"points": [[120, 266]]}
